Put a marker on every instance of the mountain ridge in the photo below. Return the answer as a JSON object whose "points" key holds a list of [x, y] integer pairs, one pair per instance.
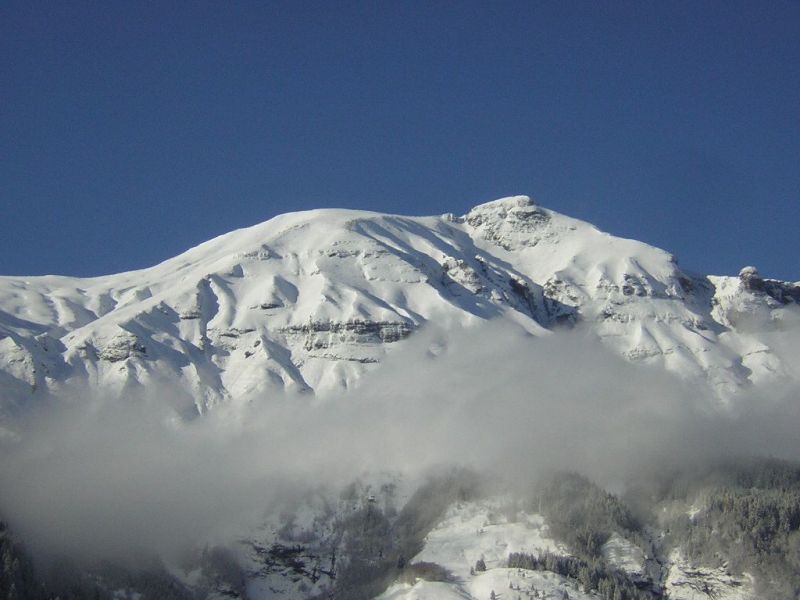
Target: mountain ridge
{"points": [[309, 301]]}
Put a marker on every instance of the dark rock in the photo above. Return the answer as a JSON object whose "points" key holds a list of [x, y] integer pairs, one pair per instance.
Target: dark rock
{"points": [[781, 291]]}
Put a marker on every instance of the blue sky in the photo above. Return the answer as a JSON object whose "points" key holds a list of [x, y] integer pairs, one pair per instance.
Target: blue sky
{"points": [[131, 131]]}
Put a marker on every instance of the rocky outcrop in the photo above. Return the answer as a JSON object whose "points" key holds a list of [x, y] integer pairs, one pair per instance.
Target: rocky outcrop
{"points": [[780, 291], [509, 223], [120, 347], [458, 275], [325, 334]]}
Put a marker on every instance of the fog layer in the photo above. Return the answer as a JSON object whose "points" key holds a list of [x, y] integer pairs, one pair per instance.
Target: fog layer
{"points": [[106, 477]]}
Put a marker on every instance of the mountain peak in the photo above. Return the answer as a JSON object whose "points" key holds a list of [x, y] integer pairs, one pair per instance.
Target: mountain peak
{"points": [[507, 203]]}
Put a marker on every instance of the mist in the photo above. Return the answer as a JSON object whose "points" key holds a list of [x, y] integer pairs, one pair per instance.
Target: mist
{"points": [[100, 477]]}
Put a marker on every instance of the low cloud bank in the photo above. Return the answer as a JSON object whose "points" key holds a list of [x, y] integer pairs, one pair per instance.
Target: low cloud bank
{"points": [[99, 477]]}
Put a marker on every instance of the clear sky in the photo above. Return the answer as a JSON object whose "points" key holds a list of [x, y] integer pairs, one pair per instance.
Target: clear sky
{"points": [[131, 131]]}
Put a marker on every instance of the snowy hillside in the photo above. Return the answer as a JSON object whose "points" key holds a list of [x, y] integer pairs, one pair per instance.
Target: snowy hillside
{"points": [[309, 301]]}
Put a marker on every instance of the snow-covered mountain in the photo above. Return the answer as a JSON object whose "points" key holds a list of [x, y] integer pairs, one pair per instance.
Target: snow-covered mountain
{"points": [[314, 301], [311, 300]]}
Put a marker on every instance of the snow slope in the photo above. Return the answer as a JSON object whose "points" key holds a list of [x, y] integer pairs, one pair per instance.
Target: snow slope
{"points": [[479, 530], [311, 300], [472, 531], [480, 587]]}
